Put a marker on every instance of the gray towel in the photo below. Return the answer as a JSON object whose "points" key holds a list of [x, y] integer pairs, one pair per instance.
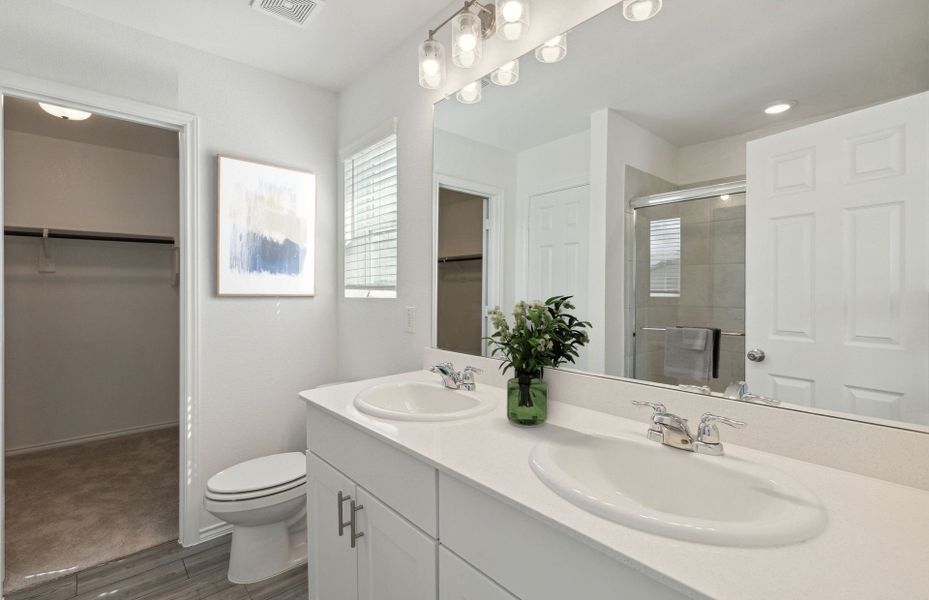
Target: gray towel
{"points": [[688, 353]]}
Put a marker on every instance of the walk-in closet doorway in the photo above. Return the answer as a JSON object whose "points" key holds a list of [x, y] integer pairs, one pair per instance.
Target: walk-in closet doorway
{"points": [[32, 90]]}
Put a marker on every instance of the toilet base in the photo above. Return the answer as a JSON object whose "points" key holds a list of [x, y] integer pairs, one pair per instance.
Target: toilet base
{"points": [[263, 551]]}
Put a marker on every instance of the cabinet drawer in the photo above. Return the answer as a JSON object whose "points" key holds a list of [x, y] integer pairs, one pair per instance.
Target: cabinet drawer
{"points": [[460, 581], [530, 558], [405, 484]]}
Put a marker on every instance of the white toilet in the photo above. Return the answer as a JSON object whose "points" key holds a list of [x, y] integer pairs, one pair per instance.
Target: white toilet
{"points": [[264, 499]]}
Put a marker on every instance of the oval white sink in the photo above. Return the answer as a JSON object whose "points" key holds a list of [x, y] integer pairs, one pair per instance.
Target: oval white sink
{"points": [[707, 499], [421, 401]]}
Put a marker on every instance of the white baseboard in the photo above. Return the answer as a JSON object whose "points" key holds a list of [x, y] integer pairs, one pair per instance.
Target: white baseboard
{"points": [[211, 532], [94, 437]]}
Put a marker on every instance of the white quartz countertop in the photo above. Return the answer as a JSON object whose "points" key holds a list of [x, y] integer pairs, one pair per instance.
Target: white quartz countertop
{"points": [[875, 545]]}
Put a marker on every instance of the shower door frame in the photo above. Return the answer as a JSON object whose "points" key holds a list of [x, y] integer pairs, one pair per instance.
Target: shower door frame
{"points": [[735, 186], [35, 89]]}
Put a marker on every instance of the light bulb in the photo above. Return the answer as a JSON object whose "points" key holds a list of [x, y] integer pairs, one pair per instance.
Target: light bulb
{"points": [[506, 74], [553, 50], [512, 11], [470, 94], [467, 42], [640, 10], [67, 114]]}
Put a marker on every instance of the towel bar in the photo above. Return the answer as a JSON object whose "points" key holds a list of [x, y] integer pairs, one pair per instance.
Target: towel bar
{"points": [[729, 333]]}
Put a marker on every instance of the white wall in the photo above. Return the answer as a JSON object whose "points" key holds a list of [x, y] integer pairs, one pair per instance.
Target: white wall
{"points": [[92, 348], [255, 353], [371, 333], [473, 162], [62, 184]]}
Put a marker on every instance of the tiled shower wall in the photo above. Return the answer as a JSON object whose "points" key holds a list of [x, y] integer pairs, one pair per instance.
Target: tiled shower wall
{"points": [[712, 285]]}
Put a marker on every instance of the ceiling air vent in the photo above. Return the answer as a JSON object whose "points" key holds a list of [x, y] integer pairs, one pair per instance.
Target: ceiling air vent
{"points": [[295, 12]]}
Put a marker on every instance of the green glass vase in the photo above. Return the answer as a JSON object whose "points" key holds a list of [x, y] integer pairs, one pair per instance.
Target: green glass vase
{"points": [[527, 401]]}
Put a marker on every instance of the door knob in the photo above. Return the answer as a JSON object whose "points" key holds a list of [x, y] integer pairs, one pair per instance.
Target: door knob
{"points": [[755, 355]]}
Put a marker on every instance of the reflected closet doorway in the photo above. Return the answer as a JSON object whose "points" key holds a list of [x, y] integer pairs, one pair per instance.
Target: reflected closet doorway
{"points": [[180, 273]]}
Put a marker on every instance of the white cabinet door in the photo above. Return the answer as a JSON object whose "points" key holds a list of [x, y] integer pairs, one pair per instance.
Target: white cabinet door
{"points": [[332, 562], [396, 561], [836, 257], [460, 581]]}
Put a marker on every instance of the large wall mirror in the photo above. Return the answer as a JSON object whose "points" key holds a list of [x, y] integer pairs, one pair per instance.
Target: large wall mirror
{"points": [[759, 170]]}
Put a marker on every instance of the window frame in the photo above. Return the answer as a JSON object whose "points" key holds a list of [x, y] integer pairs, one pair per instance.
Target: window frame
{"points": [[664, 293]]}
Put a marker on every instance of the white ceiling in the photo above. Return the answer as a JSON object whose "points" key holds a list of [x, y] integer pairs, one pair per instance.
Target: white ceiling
{"points": [[704, 70], [343, 40], [25, 116]]}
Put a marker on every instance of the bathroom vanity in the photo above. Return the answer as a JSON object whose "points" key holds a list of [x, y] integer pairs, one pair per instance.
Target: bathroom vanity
{"points": [[424, 509]]}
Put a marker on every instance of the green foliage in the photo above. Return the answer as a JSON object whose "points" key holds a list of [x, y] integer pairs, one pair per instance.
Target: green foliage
{"points": [[542, 335]]}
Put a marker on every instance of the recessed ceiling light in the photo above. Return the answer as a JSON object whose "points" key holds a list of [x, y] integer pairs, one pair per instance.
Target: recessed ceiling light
{"points": [[724, 197], [778, 107], [68, 114]]}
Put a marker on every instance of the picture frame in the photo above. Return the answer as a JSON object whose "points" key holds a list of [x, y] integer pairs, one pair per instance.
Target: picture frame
{"points": [[265, 229]]}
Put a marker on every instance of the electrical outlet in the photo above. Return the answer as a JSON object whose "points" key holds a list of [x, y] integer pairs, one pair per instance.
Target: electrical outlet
{"points": [[409, 319]]}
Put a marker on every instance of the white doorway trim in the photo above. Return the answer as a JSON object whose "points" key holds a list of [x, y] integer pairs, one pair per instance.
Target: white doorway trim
{"points": [[492, 260], [31, 88]]}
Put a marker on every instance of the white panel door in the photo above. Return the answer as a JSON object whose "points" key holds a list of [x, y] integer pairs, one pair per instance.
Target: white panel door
{"points": [[836, 263], [558, 247], [460, 581], [332, 562], [396, 561]]}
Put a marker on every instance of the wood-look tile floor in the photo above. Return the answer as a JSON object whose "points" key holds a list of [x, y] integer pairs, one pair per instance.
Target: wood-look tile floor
{"points": [[168, 572]]}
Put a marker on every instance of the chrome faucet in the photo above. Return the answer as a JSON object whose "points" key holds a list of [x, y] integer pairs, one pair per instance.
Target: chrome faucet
{"points": [[455, 380], [739, 391], [672, 430]]}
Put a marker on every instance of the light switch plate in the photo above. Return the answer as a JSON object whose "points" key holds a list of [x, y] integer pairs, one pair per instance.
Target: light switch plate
{"points": [[409, 319]]}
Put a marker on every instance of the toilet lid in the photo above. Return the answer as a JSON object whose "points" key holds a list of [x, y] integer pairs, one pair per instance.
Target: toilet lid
{"points": [[261, 473]]}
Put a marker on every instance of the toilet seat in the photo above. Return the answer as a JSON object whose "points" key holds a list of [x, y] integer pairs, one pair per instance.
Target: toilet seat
{"points": [[262, 476], [225, 497]]}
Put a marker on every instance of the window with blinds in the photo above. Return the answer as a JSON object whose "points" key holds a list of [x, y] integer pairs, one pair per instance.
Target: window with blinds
{"points": [[665, 257], [371, 221]]}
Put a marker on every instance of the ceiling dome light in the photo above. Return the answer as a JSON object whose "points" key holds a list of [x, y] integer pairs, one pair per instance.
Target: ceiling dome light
{"points": [[506, 74], [512, 18], [778, 108], [467, 40], [640, 10], [431, 64], [68, 114], [553, 50], [470, 94]]}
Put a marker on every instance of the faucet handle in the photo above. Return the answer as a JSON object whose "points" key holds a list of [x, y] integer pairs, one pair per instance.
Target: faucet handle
{"points": [[658, 407], [708, 433], [470, 369], [442, 365]]}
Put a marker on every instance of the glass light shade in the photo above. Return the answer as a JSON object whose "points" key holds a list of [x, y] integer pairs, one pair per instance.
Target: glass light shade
{"points": [[68, 114], [467, 41], [506, 74], [512, 18], [553, 50], [431, 64], [640, 10], [470, 94]]}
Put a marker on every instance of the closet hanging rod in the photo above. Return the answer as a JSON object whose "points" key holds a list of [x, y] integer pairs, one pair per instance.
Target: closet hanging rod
{"points": [[78, 235], [728, 333]]}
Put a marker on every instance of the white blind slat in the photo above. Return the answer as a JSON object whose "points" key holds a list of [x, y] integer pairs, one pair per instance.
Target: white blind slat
{"points": [[371, 220], [665, 257]]}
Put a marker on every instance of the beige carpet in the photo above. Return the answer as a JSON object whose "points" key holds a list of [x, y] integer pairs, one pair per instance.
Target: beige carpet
{"points": [[75, 507]]}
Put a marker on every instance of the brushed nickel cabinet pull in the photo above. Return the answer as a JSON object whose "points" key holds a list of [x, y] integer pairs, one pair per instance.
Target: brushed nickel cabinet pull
{"points": [[343, 524], [354, 523]]}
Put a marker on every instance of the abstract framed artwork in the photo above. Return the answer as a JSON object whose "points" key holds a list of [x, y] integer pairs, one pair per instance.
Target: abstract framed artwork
{"points": [[266, 230]]}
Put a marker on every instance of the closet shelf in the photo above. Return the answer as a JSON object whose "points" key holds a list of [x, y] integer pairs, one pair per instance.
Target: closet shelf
{"points": [[65, 234]]}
